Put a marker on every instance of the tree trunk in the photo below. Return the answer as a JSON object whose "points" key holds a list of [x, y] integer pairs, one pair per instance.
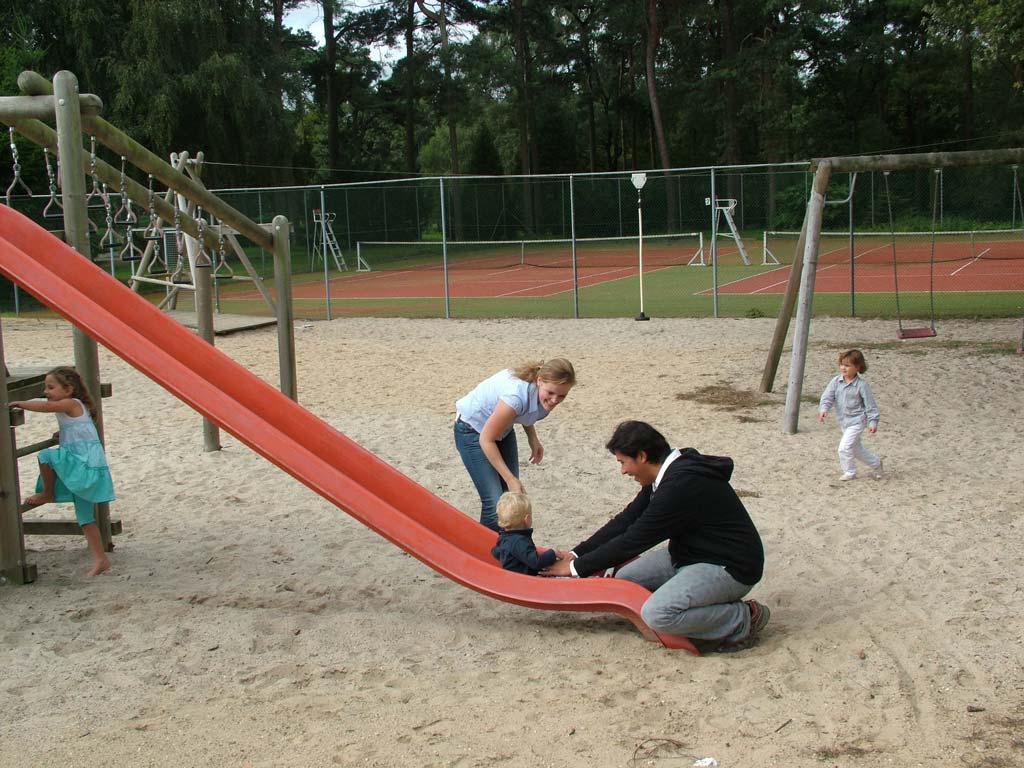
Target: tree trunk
{"points": [[657, 124], [968, 117], [441, 19], [278, 24], [410, 89], [525, 152], [653, 38], [730, 52], [331, 89], [588, 92]]}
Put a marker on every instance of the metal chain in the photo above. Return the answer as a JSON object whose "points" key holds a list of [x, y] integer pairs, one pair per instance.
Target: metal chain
{"points": [[126, 202], [52, 183], [95, 192], [17, 181], [109, 237]]}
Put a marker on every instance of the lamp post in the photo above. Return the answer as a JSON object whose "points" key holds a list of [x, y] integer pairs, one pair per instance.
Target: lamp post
{"points": [[639, 179]]}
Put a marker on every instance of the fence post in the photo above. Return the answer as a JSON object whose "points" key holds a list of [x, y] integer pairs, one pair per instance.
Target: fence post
{"points": [[444, 253], [572, 231], [714, 245], [323, 249], [285, 321]]}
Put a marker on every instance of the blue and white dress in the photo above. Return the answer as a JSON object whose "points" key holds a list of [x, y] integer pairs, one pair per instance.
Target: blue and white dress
{"points": [[80, 464]]}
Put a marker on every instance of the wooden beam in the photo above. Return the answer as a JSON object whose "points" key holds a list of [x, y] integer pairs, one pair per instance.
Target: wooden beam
{"points": [[142, 158], [65, 527], [43, 135], [923, 160], [43, 107]]}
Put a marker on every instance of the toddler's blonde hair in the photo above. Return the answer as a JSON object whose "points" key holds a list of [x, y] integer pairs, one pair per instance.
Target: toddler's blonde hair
{"points": [[513, 509]]}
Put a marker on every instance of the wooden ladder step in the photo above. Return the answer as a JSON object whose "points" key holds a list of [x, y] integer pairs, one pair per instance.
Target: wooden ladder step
{"points": [[66, 527]]}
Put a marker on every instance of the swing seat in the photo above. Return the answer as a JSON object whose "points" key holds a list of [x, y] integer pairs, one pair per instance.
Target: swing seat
{"points": [[915, 333]]}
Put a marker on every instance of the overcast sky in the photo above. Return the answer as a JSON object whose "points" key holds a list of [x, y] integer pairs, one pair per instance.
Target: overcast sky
{"points": [[309, 17]]}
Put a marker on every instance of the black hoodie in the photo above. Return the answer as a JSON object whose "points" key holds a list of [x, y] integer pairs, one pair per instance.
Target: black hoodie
{"points": [[696, 509]]}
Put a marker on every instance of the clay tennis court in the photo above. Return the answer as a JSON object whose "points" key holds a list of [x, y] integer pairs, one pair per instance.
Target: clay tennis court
{"points": [[993, 268], [540, 273], [428, 282]]}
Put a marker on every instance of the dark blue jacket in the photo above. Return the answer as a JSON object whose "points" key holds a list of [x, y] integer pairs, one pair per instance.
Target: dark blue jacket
{"points": [[516, 551]]}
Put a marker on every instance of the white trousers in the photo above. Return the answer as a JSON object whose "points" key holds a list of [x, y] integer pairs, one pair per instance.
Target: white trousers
{"points": [[851, 449]]}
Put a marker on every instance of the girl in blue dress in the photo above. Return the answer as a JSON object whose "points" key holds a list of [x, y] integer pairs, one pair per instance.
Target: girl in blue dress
{"points": [[76, 470]]}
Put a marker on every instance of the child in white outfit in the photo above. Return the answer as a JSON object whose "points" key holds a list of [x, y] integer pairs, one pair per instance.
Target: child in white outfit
{"points": [[856, 410]]}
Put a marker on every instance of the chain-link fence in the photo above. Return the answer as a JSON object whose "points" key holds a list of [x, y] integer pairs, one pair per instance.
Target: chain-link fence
{"points": [[712, 241]]}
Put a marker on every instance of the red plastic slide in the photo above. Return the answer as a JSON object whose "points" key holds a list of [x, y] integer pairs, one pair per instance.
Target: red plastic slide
{"points": [[313, 452]]}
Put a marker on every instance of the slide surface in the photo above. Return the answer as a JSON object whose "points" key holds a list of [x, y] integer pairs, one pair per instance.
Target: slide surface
{"points": [[285, 433]]}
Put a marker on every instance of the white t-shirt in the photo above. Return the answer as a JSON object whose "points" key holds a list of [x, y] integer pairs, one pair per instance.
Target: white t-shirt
{"points": [[521, 396]]}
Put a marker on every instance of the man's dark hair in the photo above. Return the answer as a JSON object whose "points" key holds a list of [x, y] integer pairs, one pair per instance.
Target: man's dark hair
{"points": [[632, 437]]}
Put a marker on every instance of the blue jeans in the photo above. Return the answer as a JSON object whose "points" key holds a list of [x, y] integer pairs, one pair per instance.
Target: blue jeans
{"points": [[701, 601], [488, 482]]}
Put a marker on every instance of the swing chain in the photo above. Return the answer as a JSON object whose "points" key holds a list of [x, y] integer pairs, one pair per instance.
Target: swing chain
{"points": [[153, 230], [129, 216], [179, 266], [52, 183], [95, 191], [17, 181], [223, 269], [109, 237], [203, 258]]}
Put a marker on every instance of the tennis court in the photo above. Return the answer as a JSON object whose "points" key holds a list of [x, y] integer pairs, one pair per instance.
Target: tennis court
{"points": [[499, 269], [959, 262]]}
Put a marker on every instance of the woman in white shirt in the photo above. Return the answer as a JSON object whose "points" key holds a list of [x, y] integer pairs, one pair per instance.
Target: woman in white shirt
{"points": [[484, 425]]}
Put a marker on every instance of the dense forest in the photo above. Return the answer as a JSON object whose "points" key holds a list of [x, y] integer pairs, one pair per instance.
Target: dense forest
{"points": [[528, 86]]}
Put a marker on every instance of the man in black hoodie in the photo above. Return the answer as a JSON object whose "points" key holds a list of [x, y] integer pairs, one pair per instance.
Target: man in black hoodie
{"points": [[714, 555]]}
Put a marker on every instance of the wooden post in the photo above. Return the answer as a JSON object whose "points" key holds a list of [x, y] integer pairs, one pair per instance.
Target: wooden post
{"points": [[771, 366], [285, 323], [201, 268], [202, 276], [815, 209], [76, 233], [13, 568]]}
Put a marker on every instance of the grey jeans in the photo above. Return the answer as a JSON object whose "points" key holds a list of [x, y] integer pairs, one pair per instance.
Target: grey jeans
{"points": [[700, 601]]}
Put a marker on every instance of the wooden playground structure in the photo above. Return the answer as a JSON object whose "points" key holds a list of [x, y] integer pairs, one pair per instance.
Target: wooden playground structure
{"points": [[180, 208]]}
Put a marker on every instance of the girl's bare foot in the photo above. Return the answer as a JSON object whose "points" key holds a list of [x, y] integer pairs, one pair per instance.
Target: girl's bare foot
{"points": [[99, 567], [38, 499]]}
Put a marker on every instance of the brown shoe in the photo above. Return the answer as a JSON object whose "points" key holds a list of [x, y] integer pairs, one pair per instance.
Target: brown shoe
{"points": [[759, 615]]}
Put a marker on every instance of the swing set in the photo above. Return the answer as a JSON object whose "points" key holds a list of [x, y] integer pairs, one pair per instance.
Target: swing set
{"points": [[800, 287], [921, 332]]}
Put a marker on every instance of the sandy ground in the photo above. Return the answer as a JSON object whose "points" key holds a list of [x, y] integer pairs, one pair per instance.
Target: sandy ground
{"points": [[247, 622]]}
